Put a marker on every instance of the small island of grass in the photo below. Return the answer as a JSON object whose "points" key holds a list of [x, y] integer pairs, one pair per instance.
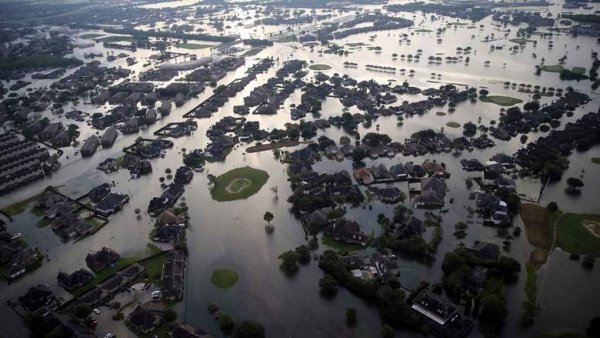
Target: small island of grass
{"points": [[320, 67], [501, 100], [224, 278], [453, 124], [91, 36], [285, 39], [552, 68], [521, 40], [579, 234], [192, 46], [356, 44], [238, 184], [596, 160]]}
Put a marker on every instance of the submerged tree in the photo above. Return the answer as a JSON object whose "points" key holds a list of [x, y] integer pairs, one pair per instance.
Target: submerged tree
{"points": [[268, 217]]}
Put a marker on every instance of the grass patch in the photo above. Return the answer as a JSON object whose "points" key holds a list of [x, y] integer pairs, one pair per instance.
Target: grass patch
{"points": [[154, 267], [339, 246], [252, 52], [238, 184], [578, 70], [19, 207], [423, 30], [43, 222], [287, 38], [440, 113], [595, 160], [117, 38], [37, 61], [539, 225], [501, 100], [90, 36], [453, 124], [224, 278], [192, 46], [356, 44], [104, 274], [574, 237], [552, 68], [320, 67], [531, 283], [521, 41]]}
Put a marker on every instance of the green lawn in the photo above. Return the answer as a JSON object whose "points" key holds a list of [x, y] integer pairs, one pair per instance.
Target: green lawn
{"points": [[453, 124], [154, 267], [224, 278], [574, 237], [356, 44], [552, 68], [501, 100], [19, 207], [596, 160], [287, 38], [539, 224], [104, 274], [531, 283], [320, 67], [423, 31], [117, 38], [520, 40], [90, 36], [192, 46], [238, 184], [339, 246], [37, 61], [252, 52], [578, 70]]}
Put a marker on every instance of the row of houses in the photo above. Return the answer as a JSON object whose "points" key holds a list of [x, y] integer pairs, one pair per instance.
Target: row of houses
{"points": [[219, 98], [114, 284], [21, 162], [16, 259]]}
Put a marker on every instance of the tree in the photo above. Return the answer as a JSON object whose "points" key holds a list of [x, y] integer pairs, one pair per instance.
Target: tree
{"points": [[358, 154], [226, 324], [593, 330], [303, 254], [552, 207], [170, 315], [452, 262], [81, 311], [329, 286], [469, 129], [574, 183], [249, 329], [493, 312], [289, 262], [388, 332], [268, 217], [508, 267], [588, 262], [532, 106], [351, 317], [212, 308], [38, 325]]}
